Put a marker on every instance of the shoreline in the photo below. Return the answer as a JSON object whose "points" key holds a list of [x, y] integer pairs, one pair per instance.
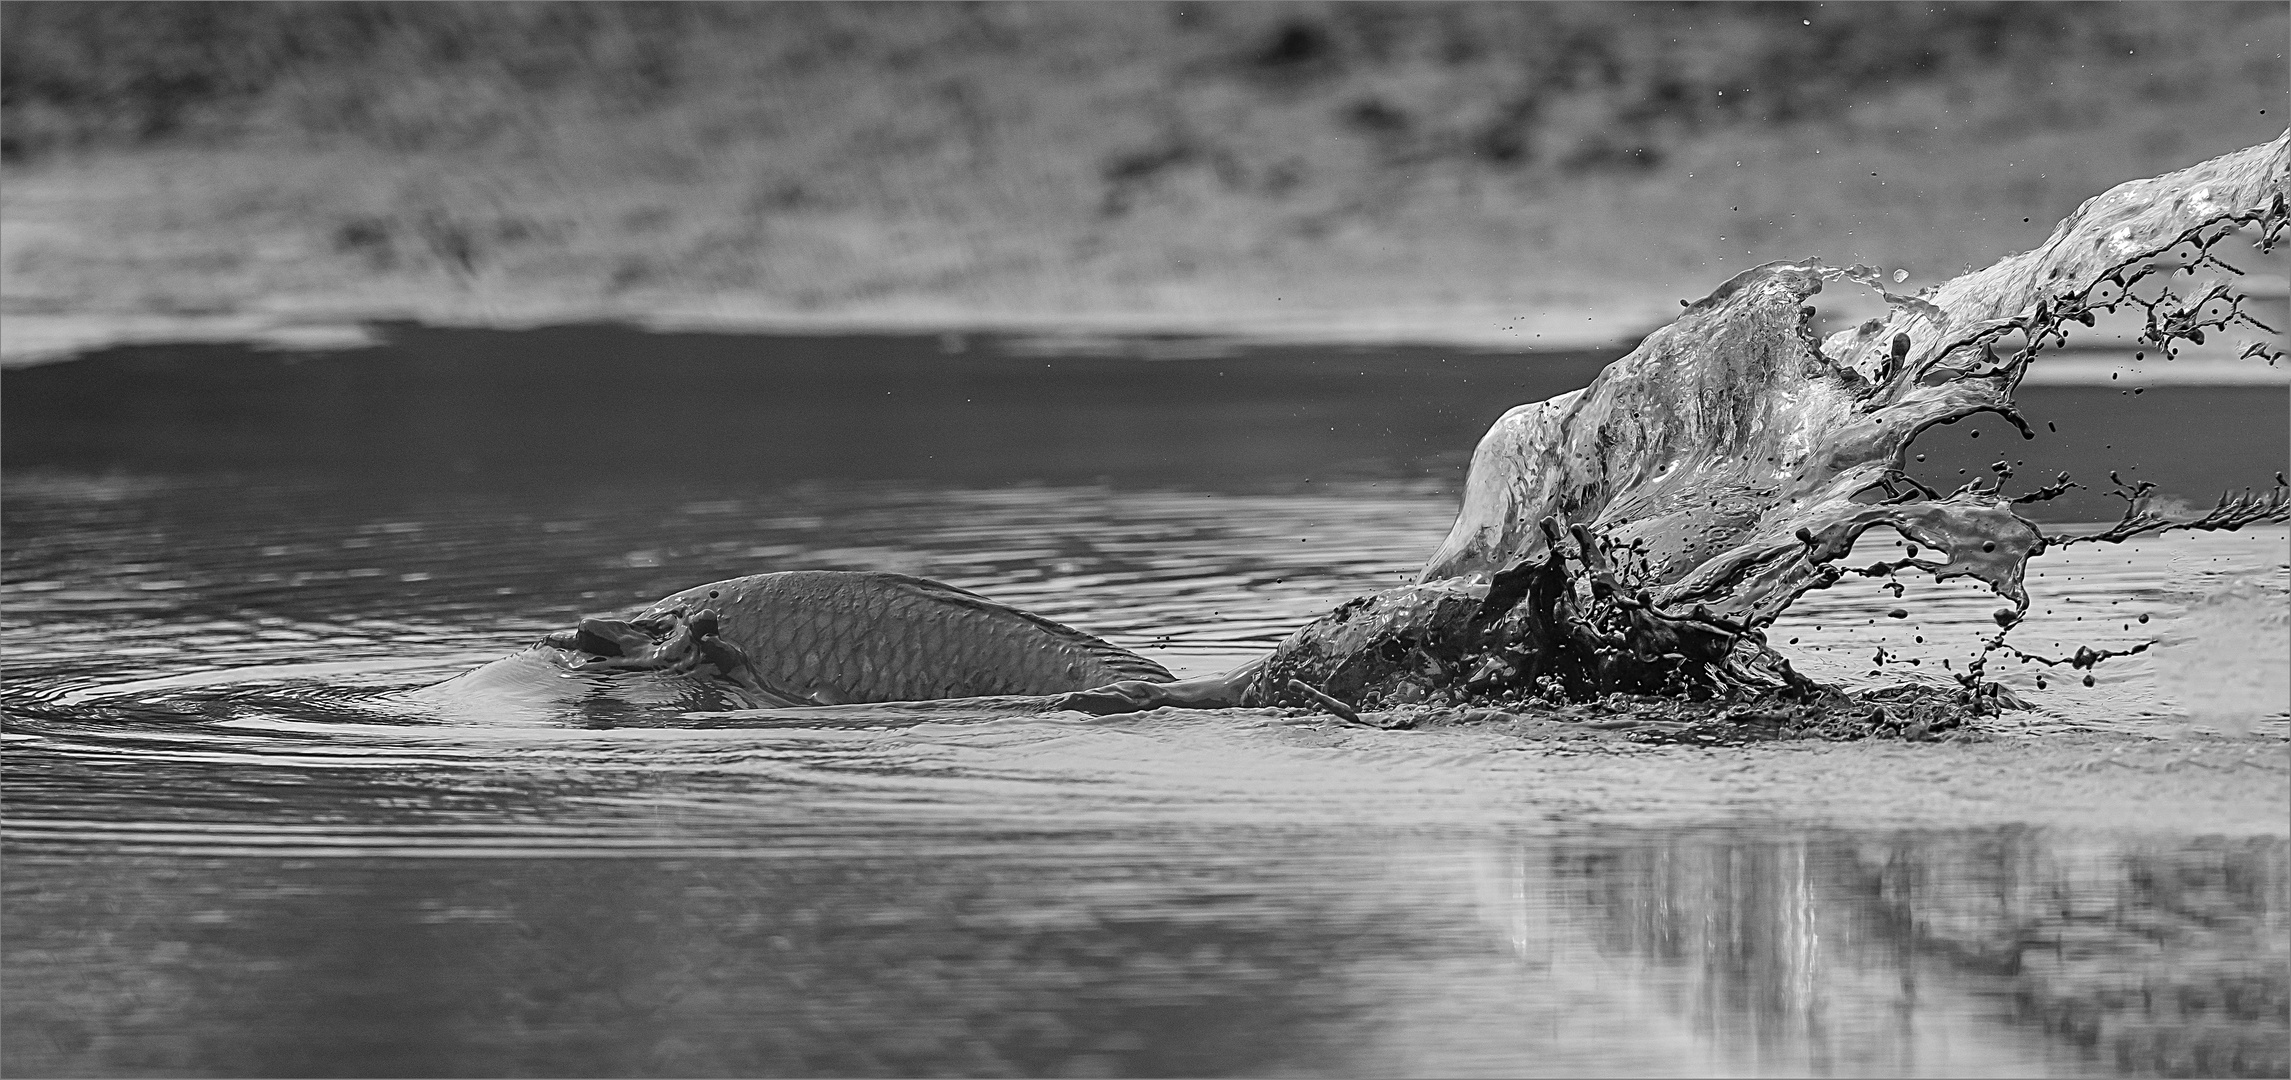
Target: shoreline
{"points": [[1073, 174], [28, 340]]}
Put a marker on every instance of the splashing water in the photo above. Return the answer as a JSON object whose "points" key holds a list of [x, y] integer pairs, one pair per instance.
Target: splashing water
{"points": [[1728, 464]]}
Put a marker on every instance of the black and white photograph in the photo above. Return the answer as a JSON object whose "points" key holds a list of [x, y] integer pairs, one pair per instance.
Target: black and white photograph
{"points": [[1145, 538]]}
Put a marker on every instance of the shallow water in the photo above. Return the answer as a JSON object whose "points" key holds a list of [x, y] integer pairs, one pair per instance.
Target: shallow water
{"points": [[231, 847]]}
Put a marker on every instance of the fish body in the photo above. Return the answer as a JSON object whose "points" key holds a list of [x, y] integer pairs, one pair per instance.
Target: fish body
{"points": [[838, 637]]}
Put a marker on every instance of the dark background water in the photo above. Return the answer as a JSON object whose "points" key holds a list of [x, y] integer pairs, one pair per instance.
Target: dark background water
{"points": [[572, 406], [601, 402], [231, 850]]}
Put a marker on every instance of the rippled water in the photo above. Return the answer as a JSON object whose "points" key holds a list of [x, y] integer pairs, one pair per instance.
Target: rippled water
{"points": [[232, 847]]}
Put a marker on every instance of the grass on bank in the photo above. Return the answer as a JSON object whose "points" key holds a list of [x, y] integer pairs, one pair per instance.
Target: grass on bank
{"points": [[1514, 174]]}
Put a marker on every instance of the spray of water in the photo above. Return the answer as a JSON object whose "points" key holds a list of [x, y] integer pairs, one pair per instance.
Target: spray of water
{"points": [[1636, 535]]}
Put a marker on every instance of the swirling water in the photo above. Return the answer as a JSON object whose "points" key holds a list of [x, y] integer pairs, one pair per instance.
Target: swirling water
{"points": [[232, 846]]}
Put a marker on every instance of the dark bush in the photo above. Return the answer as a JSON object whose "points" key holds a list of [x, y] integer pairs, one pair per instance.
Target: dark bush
{"points": [[1372, 115], [1295, 44]]}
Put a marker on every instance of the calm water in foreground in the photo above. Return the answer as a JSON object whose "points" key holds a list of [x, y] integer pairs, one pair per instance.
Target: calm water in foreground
{"points": [[232, 848]]}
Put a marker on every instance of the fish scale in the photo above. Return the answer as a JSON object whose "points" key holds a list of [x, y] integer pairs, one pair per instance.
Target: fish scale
{"points": [[843, 637]]}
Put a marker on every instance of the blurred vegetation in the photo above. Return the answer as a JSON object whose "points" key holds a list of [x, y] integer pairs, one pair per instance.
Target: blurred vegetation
{"points": [[1080, 157], [1573, 85], [2149, 958]]}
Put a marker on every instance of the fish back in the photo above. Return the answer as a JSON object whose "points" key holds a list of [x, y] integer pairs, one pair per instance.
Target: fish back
{"points": [[845, 637]]}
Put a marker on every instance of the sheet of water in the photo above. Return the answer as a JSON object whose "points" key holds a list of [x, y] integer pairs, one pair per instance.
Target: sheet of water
{"points": [[230, 848]]}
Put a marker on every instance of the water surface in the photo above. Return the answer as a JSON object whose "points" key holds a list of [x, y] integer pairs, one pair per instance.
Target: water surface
{"points": [[232, 848]]}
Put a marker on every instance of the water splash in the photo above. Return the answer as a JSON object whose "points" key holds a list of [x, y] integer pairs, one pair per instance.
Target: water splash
{"points": [[1727, 465]]}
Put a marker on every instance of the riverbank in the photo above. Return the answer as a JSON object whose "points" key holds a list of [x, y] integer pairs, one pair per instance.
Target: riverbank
{"points": [[1551, 177]]}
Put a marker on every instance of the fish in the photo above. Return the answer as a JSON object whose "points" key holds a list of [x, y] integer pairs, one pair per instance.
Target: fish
{"points": [[826, 637]]}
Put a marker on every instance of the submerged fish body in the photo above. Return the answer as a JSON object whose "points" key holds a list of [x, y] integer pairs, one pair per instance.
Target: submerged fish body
{"points": [[554, 687], [834, 637]]}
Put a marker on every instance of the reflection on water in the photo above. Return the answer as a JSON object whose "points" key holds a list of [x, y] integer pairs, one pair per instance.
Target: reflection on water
{"points": [[231, 847], [1177, 951], [1892, 954]]}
